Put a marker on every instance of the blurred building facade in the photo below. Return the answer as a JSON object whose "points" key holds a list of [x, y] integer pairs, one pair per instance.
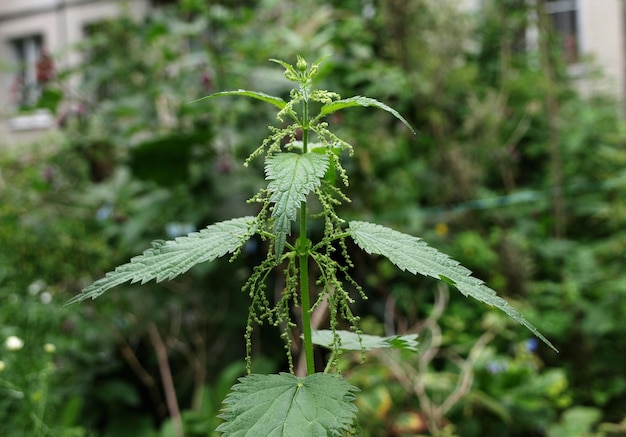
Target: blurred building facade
{"points": [[36, 40], [593, 34], [37, 36]]}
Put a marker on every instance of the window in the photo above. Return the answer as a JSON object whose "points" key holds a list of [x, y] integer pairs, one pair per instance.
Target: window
{"points": [[34, 67], [565, 21], [159, 3]]}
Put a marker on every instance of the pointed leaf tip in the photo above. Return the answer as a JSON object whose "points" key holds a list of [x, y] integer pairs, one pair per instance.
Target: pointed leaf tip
{"points": [[362, 101], [276, 101], [351, 341], [415, 256], [168, 259]]}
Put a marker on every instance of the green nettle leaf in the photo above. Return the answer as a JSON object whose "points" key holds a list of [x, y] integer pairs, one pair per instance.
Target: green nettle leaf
{"points": [[292, 176], [276, 101], [285, 405], [329, 108], [414, 255], [168, 259], [351, 341]]}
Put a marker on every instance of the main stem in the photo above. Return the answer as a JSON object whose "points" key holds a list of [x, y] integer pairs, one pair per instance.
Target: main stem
{"points": [[305, 300]]}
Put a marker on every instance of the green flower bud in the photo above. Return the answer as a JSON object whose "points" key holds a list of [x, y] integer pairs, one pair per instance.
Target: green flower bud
{"points": [[302, 65]]}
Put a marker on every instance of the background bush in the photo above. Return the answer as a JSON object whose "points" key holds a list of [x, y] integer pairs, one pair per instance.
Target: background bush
{"points": [[137, 162]]}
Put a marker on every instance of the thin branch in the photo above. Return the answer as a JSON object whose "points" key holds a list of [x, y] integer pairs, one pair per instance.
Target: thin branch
{"points": [[166, 378], [415, 379], [145, 377], [466, 378]]}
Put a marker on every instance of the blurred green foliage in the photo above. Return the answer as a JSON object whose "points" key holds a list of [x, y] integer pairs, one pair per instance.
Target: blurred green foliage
{"points": [[139, 163]]}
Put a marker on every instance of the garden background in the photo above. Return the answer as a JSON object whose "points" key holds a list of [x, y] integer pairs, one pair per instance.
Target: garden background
{"points": [[512, 172]]}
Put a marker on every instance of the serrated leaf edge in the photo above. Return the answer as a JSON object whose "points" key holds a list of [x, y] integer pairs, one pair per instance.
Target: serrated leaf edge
{"points": [[176, 256], [242, 390], [286, 190], [415, 256]]}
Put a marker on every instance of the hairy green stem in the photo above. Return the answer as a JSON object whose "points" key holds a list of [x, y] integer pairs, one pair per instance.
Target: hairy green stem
{"points": [[304, 261], [306, 312]]}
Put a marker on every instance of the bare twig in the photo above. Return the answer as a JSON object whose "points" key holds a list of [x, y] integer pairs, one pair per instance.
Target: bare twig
{"points": [[466, 377], [143, 375], [166, 378], [414, 379]]}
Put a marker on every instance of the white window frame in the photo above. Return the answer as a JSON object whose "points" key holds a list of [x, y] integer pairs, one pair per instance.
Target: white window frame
{"points": [[569, 29], [26, 52]]}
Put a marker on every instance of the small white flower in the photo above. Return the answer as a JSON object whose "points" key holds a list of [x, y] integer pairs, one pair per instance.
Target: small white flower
{"points": [[45, 297], [49, 348], [36, 287], [14, 343]]}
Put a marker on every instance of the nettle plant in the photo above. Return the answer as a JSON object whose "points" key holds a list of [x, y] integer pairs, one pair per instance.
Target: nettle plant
{"points": [[298, 170]]}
